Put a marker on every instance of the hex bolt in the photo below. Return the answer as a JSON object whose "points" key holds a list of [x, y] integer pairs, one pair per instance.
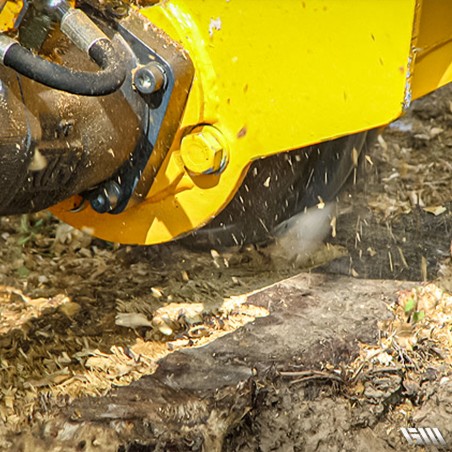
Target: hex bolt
{"points": [[204, 151], [107, 197], [150, 78]]}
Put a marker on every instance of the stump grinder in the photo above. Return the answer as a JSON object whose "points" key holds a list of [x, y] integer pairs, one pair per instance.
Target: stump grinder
{"points": [[145, 122]]}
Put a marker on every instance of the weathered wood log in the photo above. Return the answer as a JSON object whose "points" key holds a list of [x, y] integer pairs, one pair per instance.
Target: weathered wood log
{"points": [[197, 395]]}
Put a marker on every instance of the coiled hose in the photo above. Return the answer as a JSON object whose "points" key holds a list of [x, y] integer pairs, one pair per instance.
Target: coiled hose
{"points": [[106, 81]]}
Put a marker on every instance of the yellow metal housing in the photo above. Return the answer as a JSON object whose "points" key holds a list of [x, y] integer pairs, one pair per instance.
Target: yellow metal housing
{"points": [[432, 47], [274, 76]]}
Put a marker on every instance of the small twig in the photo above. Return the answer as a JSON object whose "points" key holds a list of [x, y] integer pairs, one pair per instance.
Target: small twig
{"points": [[358, 372], [386, 370], [311, 375]]}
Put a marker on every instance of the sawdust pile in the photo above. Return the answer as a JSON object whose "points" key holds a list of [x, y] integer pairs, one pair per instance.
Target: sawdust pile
{"points": [[47, 358]]}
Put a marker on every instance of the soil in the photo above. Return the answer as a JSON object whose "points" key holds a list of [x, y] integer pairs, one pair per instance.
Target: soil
{"points": [[396, 221], [123, 344]]}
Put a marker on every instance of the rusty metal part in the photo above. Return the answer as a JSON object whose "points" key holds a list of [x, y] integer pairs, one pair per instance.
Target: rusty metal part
{"points": [[54, 144], [113, 146]]}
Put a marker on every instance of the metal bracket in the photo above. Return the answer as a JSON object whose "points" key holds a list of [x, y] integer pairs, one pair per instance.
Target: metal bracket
{"points": [[159, 63]]}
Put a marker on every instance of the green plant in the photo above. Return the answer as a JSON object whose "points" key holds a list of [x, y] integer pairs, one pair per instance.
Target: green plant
{"points": [[28, 228], [411, 311]]}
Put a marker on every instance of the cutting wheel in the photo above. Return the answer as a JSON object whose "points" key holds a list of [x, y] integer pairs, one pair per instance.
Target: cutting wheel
{"points": [[279, 187]]}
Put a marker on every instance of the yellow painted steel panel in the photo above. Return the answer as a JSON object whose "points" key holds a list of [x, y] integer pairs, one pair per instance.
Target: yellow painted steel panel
{"points": [[295, 73], [433, 47]]}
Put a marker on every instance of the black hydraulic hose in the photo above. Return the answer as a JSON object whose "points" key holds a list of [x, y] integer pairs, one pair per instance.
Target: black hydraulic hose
{"points": [[85, 83]]}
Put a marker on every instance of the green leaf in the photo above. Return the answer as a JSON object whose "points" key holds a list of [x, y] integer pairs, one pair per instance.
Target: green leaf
{"points": [[418, 316], [24, 223], [409, 305], [39, 223], [23, 240]]}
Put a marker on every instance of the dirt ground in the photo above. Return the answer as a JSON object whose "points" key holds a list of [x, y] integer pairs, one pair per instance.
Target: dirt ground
{"points": [[400, 210], [81, 319]]}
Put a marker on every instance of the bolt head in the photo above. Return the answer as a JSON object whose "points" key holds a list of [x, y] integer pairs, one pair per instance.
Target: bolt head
{"points": [[107, 198], [204, 151], [99, 203], [149, 79]]}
